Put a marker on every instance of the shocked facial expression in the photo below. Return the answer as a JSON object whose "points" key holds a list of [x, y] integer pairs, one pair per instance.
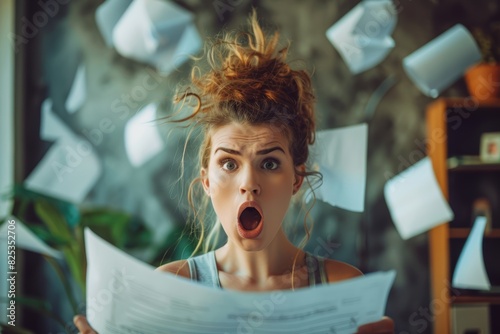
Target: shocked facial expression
{"points": [[251, 179]]}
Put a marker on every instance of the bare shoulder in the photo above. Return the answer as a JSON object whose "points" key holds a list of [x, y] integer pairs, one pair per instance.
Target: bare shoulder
{"points": [[339, 271], [180, 268]]}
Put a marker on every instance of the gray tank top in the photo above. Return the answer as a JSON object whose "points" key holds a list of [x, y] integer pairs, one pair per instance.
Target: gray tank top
{"points": [[203, 269]]}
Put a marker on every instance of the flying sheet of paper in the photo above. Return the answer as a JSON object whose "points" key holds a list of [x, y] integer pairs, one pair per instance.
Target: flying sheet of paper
{"points": [[439, 63], [142, 139], [107, 16], [70, 168], [470, 272], [78, 92], [127, 296], [25, 239], [415, 200], [157, 32], [340, 155], [51, 126], [363, 36], [67, 171]]}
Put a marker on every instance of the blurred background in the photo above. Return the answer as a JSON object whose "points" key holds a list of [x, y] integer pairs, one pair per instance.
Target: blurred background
{"points": [[56, 62]]}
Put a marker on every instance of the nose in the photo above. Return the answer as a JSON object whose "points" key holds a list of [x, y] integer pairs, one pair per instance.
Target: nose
{"points": [[249, 182]]}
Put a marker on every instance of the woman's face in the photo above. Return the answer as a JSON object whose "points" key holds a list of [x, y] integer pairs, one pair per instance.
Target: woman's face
{"points": [[250, 179]]}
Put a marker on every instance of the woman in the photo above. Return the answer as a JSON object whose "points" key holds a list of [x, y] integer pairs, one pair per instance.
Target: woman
{"points": [[257, 117]]}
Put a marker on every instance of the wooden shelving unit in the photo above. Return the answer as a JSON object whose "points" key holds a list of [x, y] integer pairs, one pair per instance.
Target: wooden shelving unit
{"points": [[454, 127], [470, 164], [463, 233]]}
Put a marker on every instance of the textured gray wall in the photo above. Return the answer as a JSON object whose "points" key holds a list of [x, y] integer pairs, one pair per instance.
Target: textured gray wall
{"points": [[368, 240]]}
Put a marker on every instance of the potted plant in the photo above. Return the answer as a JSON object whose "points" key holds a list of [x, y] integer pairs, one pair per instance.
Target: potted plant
{"points": [[60, 225], [483, 79]]}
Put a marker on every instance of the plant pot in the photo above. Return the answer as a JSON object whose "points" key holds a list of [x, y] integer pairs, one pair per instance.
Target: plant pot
{"points": [[483, 81]]}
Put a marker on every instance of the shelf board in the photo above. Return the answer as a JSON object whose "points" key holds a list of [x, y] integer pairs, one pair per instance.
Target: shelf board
{"points": [[470, 163], [463, 232], [476, 299]]}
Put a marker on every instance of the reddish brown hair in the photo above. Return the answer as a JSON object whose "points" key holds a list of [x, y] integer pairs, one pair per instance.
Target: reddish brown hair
{"points": [[249, 81]]}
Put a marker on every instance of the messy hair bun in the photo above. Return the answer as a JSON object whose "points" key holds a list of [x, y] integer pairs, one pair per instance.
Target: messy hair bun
{"points": [[248, 80]]}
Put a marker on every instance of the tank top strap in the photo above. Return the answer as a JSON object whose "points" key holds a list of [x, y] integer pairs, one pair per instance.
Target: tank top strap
{"points": [[316, 270], [203, 269]]}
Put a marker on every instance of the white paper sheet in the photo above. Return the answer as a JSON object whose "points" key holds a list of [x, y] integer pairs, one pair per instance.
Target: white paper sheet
{"points": [[25, 239], [470, 272], [70, 168], [107, 16], [415, 200], [340, 155], [142, 139], [67, 171], [51, 126], [157, 32], [363, 36], [127, 296], [78, 92], [439, 63]]}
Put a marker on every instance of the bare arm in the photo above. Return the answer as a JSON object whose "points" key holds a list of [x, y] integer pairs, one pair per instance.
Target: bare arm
{"points": [[180, 268]]}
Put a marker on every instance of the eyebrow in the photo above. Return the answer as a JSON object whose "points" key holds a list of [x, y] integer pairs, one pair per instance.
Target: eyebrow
{"points": [[261, 152]]}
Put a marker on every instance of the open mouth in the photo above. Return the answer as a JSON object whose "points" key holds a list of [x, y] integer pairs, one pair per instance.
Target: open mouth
{"points": [[250, 222], [250, 218]]}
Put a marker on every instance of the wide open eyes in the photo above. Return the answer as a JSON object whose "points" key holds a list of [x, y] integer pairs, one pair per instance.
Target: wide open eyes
{"points": [[231, 165], [270, 164], [228, 164]]}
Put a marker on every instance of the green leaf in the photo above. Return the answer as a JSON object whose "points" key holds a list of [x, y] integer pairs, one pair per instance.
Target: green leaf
{"points": [[57, 226], [69, 210], [54, 220], [43, 233], [34, 303], [41, 306], [178, 245], [109, 224], [66, 285]]}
